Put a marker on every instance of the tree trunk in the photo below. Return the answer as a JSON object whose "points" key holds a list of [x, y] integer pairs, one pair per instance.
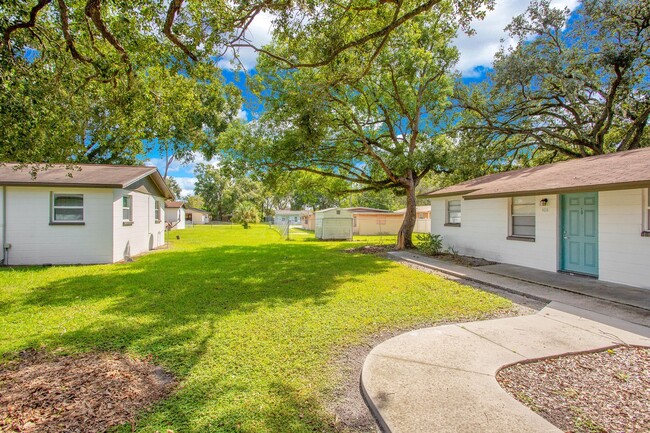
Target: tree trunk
{"points": [[405, 234]]}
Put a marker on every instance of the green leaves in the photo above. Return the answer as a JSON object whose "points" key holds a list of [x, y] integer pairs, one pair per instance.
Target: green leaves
{"points": [[565, 92]]}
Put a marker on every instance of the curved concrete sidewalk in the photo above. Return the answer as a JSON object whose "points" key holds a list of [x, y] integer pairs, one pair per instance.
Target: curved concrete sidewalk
{"points": [[442, 379]]}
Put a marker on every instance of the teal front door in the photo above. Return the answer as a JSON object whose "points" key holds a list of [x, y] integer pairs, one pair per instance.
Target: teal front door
{"points": [[579, 233]]}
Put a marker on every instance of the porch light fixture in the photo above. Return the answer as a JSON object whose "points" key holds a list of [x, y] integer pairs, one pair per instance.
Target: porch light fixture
{"points": [[543, 202]]}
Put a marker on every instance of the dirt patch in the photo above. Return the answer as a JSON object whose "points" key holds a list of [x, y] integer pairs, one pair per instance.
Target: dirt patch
{"points": [[464, 260], [606, 391], [370, 249], [91, 392]]}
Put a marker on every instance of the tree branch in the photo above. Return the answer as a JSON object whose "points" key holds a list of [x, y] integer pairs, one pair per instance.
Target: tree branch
{"points": [[6, 37], [172, 11]]}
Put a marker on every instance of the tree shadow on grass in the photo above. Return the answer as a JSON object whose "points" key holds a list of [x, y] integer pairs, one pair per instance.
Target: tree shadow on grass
{"points": [[204, 310]]}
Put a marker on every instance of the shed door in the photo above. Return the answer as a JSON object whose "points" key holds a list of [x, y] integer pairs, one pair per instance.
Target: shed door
{"points": [[579, 241]]}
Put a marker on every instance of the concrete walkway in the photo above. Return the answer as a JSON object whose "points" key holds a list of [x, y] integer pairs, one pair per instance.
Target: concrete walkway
{"points": [[630, 304], [619, 293], [442, 379]]}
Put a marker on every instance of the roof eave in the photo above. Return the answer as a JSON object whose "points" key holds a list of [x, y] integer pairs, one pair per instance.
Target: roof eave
{"points": [[564, 190]]}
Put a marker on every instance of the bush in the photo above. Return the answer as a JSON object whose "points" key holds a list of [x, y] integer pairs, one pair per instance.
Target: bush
{"points": [[245, 213], [429, 244]]}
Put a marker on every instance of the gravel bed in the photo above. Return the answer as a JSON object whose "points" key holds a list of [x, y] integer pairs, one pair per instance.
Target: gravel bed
{"points": [[607, 391]]}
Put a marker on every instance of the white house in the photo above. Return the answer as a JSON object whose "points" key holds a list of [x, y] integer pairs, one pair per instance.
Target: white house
{"points": [[175, 215], [333, 223], [586, 216], [196, 216], [287, 216], [80, 215]]}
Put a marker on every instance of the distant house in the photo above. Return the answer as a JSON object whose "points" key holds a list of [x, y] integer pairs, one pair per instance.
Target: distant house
{"points": [[175, 215], [196, 216], [80, 215], [286, 216], [369, 221], [333, 223], [308, 220], [586, 216], [422, 218]]}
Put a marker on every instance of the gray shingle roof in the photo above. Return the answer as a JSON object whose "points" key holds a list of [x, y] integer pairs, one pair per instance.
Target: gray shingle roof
{"points": [[81, 175], [630, 169]]}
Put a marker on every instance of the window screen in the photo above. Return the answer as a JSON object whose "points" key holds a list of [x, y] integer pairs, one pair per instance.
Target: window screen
{"points": [[67, 207], [127, 208], [523, 216], [453, 211]]}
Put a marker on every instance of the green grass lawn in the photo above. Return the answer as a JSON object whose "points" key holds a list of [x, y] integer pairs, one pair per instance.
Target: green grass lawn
{"points": [[247, 322]]}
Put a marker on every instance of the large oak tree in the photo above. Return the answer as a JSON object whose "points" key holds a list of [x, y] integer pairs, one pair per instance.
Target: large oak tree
{"points": [[566, 88], [384, 130]]}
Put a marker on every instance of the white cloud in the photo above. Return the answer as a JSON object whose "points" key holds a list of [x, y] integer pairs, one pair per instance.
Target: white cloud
{"points": [[258, 34], [186, 184], [478, 51], [242, 115]]}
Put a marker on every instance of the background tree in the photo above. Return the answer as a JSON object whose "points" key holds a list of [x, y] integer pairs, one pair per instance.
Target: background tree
{"points": [[245, 213], [211, 185], [221, 189], [173, 185], [564, 91], [384, 131], [194, 201]]}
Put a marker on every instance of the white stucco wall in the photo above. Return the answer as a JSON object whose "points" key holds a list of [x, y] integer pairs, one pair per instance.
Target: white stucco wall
{"points": [[485, 227], [2, 221], [624, 253], [141, 236], [34, 241], [175, 217]]}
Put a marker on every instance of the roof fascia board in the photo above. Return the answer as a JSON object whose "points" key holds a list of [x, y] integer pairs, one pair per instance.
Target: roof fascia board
{"points": [[568, 190]]}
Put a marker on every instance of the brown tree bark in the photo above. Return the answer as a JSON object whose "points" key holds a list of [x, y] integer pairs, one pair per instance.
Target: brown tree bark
{"points": [[405, 234]]}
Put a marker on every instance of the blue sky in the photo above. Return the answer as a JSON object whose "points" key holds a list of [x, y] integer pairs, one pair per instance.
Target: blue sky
{"points": [[476, 54]]}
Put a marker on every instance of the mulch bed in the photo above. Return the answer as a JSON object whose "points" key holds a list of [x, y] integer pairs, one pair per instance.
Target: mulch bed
{"points": [[370, 249], [606, 391], [87, 393]]}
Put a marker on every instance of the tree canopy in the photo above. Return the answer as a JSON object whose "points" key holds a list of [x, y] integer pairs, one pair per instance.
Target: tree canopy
{"points": [[382, 131], [565, 90], [117, 38]]}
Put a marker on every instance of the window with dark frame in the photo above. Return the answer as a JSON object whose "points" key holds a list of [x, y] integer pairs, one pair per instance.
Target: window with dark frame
{"points": [[453, 211], [522, 213], [67, 208], [127, 208]]}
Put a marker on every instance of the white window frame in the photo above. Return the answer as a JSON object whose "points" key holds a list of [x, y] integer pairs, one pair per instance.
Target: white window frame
{"points": [[53, 207], [448, 221], [157, 212], [129, 220], [511, 218]]}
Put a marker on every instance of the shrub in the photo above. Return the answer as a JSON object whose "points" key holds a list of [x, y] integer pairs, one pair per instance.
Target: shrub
{"points": [[245, 213], [429, 244]]}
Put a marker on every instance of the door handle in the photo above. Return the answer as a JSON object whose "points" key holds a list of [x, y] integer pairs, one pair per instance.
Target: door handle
{"points": [[565, 237]]}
